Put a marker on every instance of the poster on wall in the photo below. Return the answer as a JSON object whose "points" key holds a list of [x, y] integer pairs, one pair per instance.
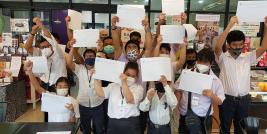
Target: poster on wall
{"points": [[19, 25], [209, 23], [7, 39], [249, 29], [125, 36]]}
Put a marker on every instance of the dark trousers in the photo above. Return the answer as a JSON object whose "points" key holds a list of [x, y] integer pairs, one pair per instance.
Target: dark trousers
{"points": [[158, 129], [184, 130], [143, 121], [233, 109], [95, 114], [105, 106], [124, 126]]}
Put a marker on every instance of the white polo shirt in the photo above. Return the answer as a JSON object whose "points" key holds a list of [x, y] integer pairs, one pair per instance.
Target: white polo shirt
{"points": [[117, 106], [159, 109], [235, 73], [199, 103], [86, 96]]}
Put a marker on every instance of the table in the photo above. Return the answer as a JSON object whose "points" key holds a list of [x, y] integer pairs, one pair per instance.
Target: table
{"points": [[33, 128]]}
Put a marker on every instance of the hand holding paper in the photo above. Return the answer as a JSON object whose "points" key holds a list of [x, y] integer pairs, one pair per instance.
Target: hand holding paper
{"points": [[54, 103], [172, 33], [86, 37], [39, 64], [76, 19], [172, 7], [191, 31], [251, 11]]}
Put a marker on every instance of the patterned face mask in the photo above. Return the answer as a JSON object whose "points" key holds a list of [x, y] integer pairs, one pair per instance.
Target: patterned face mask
{"points": [[132, 55]]}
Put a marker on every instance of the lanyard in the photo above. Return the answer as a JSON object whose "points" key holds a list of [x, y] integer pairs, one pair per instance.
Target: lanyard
{"points": [[122, 96], [89, 80]]}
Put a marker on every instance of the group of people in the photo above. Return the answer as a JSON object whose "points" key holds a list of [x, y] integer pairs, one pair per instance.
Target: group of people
{"points": [[134, 105]]}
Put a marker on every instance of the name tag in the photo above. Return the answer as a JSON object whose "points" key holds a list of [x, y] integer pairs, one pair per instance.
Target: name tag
{"points": [[195, 101]]}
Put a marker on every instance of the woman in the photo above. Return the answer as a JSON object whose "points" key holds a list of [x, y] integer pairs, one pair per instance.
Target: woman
{"points": [[123, 102], [62, 89]]}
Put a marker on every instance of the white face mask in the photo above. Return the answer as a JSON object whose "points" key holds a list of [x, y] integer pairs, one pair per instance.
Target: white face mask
{"points": [[202, 68], [130, 81], [47, 52], [62, 91], [164, 55]]}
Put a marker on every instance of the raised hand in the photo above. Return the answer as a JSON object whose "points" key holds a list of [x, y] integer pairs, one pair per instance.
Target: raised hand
{"points": [[163, 80], [150, 94]]}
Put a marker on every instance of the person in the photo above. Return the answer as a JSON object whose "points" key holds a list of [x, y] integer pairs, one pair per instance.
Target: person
{"points": [[62, 87], [123, 102], [201, 104], [159, 102], [235, 75], [191, 58]]}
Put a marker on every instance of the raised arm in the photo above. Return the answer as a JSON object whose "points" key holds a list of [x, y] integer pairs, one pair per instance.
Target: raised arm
{"points": [[157, 48], [34, 81], [129, 97], [170, 96], [148, 38], [162, 21], [263, 46], [218, 47], [146, 103], [69, 59], [180, 63], [116, 37], [69, 31], [28, 44], [78, 58], [99, 89]]}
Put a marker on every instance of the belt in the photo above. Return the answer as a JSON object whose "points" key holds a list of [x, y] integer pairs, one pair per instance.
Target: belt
{"points": [[234, 98], [158, 126]]}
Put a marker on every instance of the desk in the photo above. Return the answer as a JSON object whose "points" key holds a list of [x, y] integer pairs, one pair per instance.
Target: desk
{"points": [[33, 128]]}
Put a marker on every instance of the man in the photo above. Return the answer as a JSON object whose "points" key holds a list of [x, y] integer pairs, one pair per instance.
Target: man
{"points": [[191, 58], [235, 75]]}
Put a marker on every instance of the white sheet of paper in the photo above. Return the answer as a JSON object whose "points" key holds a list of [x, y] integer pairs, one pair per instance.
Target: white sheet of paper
{"points": [[138, 6], [251, 11], [87, 16], [208, 17], [86, 37], [109, 70], [15, 65], [7, 39], [172, 33], [75, 19], [194, 82], [55, 132], [153, 68], [54, 103], [191, 31], [172, 7], [39, 64], [130, 17], [19, 25]]}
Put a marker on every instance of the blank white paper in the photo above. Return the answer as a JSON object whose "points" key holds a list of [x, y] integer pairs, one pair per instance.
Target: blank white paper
{"points": [[195, 82], [172, 33], [15, 65], [54, 103], [130, 16], [108, 70], [251, 11], [86, 37], [153, 68], [87, 16], [191, 31], [172, 7], [39, 64], [75, 19], [208, 17]]}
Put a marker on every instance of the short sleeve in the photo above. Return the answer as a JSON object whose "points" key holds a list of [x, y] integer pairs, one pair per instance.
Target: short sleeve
{"points": [[219, 58], [76, 107], [252, 57], [219, 90]]}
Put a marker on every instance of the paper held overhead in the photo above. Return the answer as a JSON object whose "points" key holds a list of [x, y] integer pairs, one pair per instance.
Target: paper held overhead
{"points": [[75, 19], [86, 16], [172, 33], [40, 65], [86, 37], [251, 11], [172, 7], [208, 17], [191, 31], [130, 16]]}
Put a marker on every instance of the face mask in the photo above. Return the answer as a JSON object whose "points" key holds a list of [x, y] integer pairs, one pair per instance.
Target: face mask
{"points": [[47, 52], [108, 49], [190, 62], [90, 61], [130, 81], [202, 68], [62, 91], [164, 55], [236, 51], [132, 55], [159, 87]]}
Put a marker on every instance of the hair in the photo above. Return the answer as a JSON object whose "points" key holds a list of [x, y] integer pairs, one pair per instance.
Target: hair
{"points": [[56, 36], [89, 51], [132, 65], [63, 79], [190, 51], [135, 34], [206, 55], [235, 35], [166, 46], [41, 39], [132, 42], [106, 38]]}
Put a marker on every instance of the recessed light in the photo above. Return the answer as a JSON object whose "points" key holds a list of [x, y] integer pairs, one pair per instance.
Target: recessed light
{"points": [[200, 1], [135, 1]]}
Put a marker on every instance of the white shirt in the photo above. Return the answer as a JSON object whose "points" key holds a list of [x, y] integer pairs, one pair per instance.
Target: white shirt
{"points": [[159, 109], [199, 103], [235, 73], [86, 96], [117, 107], [56, 63]]}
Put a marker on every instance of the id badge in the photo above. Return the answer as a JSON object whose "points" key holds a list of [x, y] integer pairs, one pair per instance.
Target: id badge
{"points": [[195, 101]]}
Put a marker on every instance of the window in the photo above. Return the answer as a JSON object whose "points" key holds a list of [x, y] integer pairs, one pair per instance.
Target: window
{"points": [[60, 1], [101, 20], [132, 2], [156, 5], [207, 5], [91, 1], [21, 14]]}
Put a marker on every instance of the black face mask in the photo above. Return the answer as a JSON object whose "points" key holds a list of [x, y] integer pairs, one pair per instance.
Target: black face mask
{"points": [[236, 52], [159, 87], [190, 62]]}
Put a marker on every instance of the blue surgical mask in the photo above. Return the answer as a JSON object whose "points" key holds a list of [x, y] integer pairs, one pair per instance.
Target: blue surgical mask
{"points": [[90, 61], [109, 49]]}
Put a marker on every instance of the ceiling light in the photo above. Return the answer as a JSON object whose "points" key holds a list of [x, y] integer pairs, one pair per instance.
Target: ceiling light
{"points": [[200, 1]]}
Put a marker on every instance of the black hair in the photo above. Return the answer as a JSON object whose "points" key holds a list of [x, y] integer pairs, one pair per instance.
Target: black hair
{"points": [[89, 51], [206, 55], [106, 38], [166, 46], [41, 39], [132, 65], [132, 42], [235, 35], [135, 34], [56, 36], [190, 51], [62, 79]]}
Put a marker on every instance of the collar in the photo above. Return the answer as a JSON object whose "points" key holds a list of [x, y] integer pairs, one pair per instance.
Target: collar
{"points": [[242, 55]]}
